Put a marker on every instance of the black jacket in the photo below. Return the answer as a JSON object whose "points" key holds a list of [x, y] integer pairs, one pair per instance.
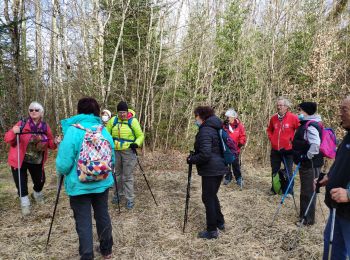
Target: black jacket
{"points": [[339, 177], [208, 155]]}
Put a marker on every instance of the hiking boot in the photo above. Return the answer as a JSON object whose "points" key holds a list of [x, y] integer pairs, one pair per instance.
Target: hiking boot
{"points": [[25, 210], [226, 182], [129, 204], [239, 182], [221, 227], [208, 234], [116, 199], [38, 197]]}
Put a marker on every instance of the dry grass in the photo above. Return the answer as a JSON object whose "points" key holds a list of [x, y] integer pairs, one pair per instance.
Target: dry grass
{"points": [[150, 232]]}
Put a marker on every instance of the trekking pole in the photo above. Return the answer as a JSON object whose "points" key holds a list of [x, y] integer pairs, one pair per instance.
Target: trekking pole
{"points": [[143, 173], [334, 210], [116, 189], [187, 194], [285, 193], [54, 210], [286, 167], [317, 190]]}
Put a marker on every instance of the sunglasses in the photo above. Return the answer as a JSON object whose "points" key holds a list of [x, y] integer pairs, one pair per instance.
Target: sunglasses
{"points": [[32, 110]]}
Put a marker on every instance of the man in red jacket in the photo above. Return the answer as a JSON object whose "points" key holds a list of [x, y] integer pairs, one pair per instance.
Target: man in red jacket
{"points": [[281, 131]]}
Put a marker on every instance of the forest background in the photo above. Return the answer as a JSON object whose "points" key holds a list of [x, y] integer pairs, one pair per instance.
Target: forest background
{"points": [[166, 57]]}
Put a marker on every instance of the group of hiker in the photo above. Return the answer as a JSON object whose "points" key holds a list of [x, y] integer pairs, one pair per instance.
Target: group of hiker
{"points": [[99, 150], [294, 138], [93, 148]]}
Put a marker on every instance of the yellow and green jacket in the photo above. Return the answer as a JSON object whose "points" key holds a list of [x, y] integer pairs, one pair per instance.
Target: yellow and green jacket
{"points": [[125, 132]]}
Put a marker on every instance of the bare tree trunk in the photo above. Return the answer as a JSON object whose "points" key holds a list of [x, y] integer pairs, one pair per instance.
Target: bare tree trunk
{"points": [[38, 47], [106, 94], [15, 33]]}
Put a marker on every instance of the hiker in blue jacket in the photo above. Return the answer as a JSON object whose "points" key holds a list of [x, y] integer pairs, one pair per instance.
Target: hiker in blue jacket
{"points": [[84, 195], [210, 164]]}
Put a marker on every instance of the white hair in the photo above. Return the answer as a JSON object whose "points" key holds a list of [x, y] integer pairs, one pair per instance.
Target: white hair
{"points": [[231, 113], [286, 101], [37, 105]]}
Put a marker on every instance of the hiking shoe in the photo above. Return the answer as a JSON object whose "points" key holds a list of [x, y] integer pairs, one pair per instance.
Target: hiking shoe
{"points": [[116, 199], [221, 227], [298, 223], [129, 204], [226, 182], [38, 197], [239, 182], [208, 234], [25, 210], [289, 196]]}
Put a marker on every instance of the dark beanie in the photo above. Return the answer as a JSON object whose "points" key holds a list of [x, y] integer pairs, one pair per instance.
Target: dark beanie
{"points": [[309, 107], [122, 106]]}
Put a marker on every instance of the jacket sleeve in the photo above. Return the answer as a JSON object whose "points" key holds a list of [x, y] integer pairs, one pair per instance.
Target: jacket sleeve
{"points": [[269, 130], [51, 143], [242, 136], [140, 137], [67, 153], [10, 136], [313, 137], [204, 147]]}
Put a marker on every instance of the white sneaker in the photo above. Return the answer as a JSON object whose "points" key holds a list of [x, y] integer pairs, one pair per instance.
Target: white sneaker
{"points": [[289, 196], [38, 197], [25, 205], [25, 210]]}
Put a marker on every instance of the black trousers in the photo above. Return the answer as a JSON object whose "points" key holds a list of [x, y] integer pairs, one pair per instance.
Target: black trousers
{"points": [[81, 206], [236, 169], [210, 188], [277, 159], [37, 174], [307, 176]]}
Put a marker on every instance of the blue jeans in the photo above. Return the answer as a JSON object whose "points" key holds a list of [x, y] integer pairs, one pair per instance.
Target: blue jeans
{"points": [[341, 238], [81, 206]]}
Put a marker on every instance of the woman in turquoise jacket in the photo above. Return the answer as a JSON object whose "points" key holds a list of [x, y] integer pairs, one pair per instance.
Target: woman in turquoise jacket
{"points": [[84, 195]]}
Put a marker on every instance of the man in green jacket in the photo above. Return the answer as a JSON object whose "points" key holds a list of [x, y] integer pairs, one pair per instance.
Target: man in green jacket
{"points": [[127, 135]]}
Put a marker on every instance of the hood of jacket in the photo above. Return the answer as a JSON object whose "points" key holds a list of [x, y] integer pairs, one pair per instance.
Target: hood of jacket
{"points": [[83, 119], [315, 117], [213, 122]]}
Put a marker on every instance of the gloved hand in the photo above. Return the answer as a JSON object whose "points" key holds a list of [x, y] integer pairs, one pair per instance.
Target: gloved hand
{"points": [[188, 160], [133, 146]]}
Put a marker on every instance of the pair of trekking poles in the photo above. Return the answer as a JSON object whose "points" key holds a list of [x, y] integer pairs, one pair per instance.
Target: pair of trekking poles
{"points": [[117, 193]]}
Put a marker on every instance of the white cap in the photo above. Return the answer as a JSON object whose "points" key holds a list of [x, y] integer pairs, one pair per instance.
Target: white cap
{"points": [[231, 113]]}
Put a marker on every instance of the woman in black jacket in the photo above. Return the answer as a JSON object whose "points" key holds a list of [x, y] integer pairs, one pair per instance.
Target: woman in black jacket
{"points": [[210, 164]]}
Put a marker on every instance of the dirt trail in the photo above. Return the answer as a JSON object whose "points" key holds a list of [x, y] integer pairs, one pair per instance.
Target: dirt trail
{"points": [[150, 232]]}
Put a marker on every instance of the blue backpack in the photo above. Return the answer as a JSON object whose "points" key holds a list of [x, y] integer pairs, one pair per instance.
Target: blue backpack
{"points": [[228, 147]]}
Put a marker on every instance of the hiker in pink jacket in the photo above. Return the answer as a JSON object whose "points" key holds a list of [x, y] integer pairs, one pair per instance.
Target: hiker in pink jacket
{"points": [[35, 138]]}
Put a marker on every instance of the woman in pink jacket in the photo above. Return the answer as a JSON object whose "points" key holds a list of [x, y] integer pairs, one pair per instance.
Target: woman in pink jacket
{"points": [[35, 138]]}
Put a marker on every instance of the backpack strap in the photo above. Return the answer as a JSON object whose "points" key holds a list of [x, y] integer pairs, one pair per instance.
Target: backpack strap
{"points": [[129, 123], [317, 125]]}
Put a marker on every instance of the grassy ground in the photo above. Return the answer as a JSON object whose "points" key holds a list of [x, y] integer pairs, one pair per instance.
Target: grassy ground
{"points": [[150, 232]]}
